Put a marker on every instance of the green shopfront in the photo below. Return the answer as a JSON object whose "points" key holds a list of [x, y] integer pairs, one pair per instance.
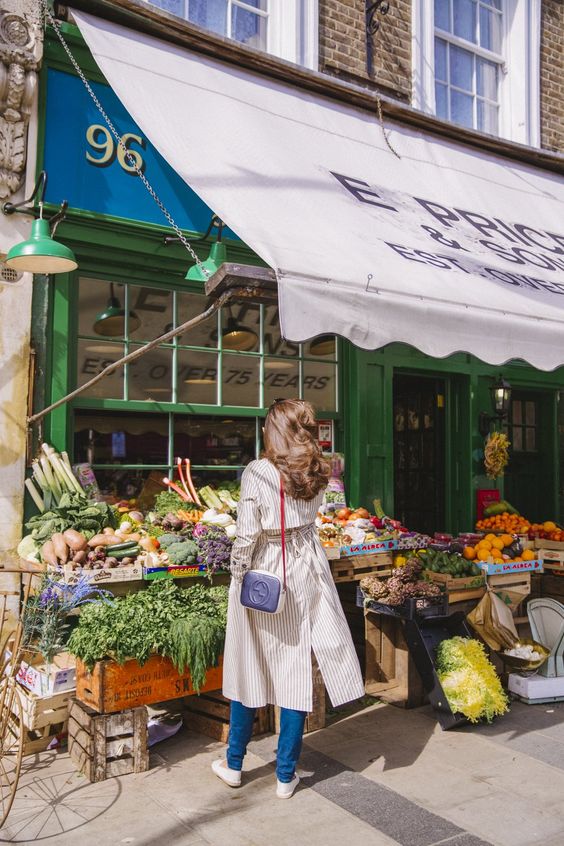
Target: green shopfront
{"points": [[407, 423]]}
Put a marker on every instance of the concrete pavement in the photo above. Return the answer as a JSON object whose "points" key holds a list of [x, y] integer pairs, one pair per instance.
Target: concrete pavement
{"points": [[381, 776]]}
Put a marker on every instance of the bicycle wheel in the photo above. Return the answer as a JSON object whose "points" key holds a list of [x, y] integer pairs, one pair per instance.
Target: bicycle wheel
{"points": [[11, 744]]}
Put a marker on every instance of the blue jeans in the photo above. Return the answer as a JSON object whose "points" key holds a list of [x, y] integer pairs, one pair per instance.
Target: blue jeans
{"points": [[289, 742]]}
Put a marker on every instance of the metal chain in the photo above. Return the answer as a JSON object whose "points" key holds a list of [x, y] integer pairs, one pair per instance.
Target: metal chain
{"points": [[128, 155], [383, 127]]}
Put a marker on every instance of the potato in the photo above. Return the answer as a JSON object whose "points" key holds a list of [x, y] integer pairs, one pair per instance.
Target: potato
{"points": [[104, 540], [75, 540]]}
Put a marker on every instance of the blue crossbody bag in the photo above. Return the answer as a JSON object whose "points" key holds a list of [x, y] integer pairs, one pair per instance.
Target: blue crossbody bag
{"points": [[262, 590]]}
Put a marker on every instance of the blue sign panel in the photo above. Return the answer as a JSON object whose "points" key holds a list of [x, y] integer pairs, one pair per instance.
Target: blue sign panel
{"points": [[87, 167]]}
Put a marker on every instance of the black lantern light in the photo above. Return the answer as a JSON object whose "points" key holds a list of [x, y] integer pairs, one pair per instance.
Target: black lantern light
{"points": [[500, 392]]}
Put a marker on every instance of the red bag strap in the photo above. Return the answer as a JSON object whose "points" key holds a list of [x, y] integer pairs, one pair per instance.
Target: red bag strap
{"points": [[282, 529]]}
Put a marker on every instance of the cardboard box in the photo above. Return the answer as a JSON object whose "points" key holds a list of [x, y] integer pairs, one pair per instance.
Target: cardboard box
{"points": [[131, 573], [511, 567], [48, 679]]}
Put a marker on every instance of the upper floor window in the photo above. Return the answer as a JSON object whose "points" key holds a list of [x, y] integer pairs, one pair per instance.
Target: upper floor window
{"points": [[285, 28], [477, 64], [468, 62]]}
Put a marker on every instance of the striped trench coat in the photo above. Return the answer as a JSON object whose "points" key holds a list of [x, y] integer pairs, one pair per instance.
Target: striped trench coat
{"points": [[267, 658]]}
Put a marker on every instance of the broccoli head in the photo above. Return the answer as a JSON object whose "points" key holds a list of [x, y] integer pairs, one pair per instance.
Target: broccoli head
{"points": [[168, 538], [183, 553]]}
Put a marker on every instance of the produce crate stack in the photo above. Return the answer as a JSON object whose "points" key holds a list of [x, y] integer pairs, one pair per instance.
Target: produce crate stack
{"points": [[107, 745], [45, 719]]}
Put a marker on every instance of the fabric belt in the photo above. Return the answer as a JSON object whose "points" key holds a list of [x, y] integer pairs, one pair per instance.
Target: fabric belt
{"points": [[304, 533], [275, 535]]}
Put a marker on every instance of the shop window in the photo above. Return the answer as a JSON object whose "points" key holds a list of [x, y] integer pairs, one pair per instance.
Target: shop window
{"points": [[286, 28], [522, 428], [477, 64], [238, 359]]}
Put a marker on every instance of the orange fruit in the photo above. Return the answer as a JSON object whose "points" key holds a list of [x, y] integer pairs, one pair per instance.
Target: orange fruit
{"points": [[469, 553], [549, 526], [507, 540], [490, 537], [483, 554], [484, 544], [497, 543], [496, 554], [528, 555]]}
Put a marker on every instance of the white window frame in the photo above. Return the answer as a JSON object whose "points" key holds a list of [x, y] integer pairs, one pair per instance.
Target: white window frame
{"points": [[519, 86], [292, 29]]}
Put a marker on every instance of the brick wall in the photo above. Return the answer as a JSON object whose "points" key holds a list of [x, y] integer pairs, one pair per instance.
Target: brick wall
{"points": [[552, 75], [343, 48]]}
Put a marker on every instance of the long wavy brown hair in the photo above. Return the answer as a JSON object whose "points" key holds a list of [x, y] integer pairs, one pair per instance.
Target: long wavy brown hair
{"points": [[290, 433]]}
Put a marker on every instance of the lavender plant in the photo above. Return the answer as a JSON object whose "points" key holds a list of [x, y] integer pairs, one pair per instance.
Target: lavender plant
{"points": [[214, 548]]}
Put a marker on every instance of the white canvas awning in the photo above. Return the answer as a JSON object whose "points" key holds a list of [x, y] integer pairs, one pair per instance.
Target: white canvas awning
{"points": [[446, 248]]}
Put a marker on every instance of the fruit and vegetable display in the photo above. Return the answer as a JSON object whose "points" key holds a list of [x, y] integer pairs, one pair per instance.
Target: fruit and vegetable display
{"points": [[450, 563], [502, 517], [496, 454], [186, 528], [342, 526], [469, 680], [185, 625], [406, 583]]}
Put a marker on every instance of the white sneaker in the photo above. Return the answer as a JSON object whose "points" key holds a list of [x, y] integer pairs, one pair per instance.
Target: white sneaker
{"points": [[285, 790], [222, 771]]}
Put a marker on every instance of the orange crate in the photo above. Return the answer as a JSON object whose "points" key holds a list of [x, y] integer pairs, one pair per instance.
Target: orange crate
{"points": [[113, 687]]}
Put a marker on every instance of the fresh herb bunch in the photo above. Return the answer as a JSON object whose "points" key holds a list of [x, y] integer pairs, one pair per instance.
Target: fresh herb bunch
{"points": [[168, 501], [75, 511], [141, 624], [469, 680], [214, 549], [45, 623]]}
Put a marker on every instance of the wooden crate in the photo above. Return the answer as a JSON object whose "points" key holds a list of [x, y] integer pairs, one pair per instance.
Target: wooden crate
{"points": [[111, 687], [356, 567], [553, 586], [108, 745], [44, 718], [391, 674], [209, 714], [543, 543], [552, 559], [458, 590]]}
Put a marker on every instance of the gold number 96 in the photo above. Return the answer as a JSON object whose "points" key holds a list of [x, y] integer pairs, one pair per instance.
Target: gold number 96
{"points": [[99, 138]]}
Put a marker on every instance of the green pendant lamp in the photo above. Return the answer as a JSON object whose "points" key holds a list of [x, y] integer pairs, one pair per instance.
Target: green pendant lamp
{"points": [[218, 254], [111, 322], [322, 345], [40, 253]]}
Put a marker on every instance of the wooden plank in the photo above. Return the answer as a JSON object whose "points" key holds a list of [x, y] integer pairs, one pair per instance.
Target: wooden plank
{"points": [[78, 734], [99, 745], [390, 671], [112, 687], [140, 741], [119, 724], [119, 767], [121, 747], [209, 726], [356, 567]]}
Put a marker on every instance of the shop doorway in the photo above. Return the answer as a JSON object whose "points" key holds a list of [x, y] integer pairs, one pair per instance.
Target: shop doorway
{"points": [[528, 478], [419, 452]]}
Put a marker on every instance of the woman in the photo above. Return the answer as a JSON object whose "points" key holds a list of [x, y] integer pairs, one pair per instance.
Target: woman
{"points": [[268, 657]]}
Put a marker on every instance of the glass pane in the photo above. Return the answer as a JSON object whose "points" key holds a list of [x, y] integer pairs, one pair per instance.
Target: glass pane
{"points": [[151, 309], [240, 380], [441, 60], [203, 335], [530, 439], [274, 343], [461, 108], [441, 100], [442, 15], [495, 4], [150, 377], [464, 19], [197, 377], [517, 439], [324, 347], [530, 413], [101, 308], [142, 438], [488, 117], [486, 77], [94, 356], [175, 7], [461, 68], [241, 328], [320, 384], [490, 30], [281, 379], [516, 411], [248, 27], [215, 440], [210, 14]]}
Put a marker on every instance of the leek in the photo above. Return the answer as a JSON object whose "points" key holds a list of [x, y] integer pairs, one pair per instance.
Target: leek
{"points": [[35, 495]]}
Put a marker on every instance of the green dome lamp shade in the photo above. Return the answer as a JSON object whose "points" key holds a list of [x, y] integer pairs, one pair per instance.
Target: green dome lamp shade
{"points": [[218, 254], [111, 322], [41, 253], [238, 338]]}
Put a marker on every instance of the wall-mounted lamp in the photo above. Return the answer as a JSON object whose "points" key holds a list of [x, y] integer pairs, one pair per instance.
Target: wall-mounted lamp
{"points": [[381, 7], [217, 255], [40, 253], [111, 322], [500, 392]]}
